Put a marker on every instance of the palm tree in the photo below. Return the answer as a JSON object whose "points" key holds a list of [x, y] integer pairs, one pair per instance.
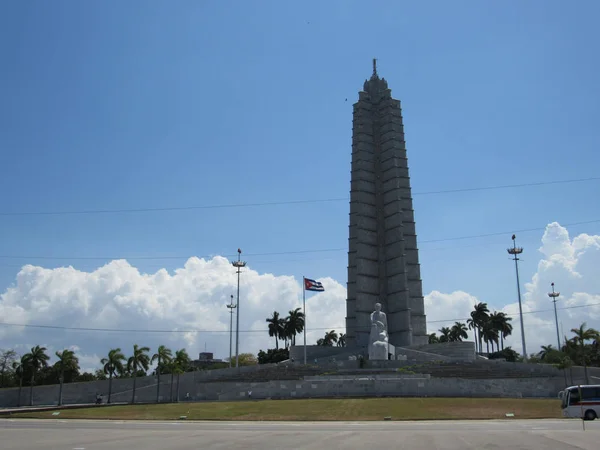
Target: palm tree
{"points": [[341, 340], [546, 350], [479, 317], [275, 327], [294, 324], [330, 338], [35, 361], [445, 334], [181, 364], [66, 360], [583, 334], [19, 368], [433, 339], [489, 334], [139, 360], [163, 355], [458, 332], [172, 368], [500, 321], [112, 365], [286, 332], [472, 324]]}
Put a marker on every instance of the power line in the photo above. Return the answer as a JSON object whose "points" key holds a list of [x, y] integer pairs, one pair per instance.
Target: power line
{"points": [[157, 331], [280, 203], [285, 253], [524, 312]]}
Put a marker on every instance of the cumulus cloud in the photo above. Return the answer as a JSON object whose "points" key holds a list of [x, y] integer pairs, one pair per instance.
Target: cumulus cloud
{"points": [[186, 307], [572, 264]]}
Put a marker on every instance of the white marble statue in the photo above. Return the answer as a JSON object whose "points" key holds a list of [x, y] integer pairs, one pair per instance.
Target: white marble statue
{"points": [[378, 339], [379, 316]]}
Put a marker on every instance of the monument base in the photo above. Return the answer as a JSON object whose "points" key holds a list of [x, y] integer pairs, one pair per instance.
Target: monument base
{"points": [[448, 351]]}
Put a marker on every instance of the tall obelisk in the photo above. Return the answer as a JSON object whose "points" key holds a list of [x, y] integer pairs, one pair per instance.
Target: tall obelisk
{"points": [[383, 259]]}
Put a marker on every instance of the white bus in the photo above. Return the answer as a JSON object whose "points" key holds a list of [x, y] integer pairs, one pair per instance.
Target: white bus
{"points": [[582, 402]]}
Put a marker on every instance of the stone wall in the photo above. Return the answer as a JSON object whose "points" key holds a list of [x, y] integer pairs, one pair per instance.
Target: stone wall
{"points": [[207, 385], [418, 355], [319, 352], [406, 387], [462, 351]]}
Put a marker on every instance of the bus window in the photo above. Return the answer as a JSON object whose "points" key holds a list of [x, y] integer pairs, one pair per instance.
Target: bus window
{"points": [[574, 397]]}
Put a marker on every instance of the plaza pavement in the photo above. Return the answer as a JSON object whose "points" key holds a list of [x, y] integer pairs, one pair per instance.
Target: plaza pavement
{"points": [[57, 434]]}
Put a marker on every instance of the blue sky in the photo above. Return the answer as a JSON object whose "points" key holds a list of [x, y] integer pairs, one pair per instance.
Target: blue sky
{"points": [[117, 105]]}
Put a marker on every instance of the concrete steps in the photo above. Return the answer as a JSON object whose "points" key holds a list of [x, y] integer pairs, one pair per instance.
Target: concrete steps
{"points": [[284, 372], [484, 371]]}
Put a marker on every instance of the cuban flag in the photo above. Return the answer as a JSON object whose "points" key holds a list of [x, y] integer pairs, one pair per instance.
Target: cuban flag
{"points": [[312, 285]]}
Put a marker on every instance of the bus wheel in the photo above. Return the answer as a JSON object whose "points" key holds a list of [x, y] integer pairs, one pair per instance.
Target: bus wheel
{"points": [[589, 415]]}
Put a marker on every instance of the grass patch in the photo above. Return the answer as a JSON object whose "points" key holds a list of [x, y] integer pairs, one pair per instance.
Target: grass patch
{"points": [[323, 409]]}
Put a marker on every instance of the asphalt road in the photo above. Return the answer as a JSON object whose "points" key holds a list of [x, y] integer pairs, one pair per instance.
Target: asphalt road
{"points": [[28, 434]]}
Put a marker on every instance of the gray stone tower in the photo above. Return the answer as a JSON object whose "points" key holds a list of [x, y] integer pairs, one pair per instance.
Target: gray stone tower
{"points": [[383, 260]]}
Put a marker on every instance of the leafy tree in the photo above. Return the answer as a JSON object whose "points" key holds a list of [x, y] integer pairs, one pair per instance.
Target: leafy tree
{"points": [[163, 355], [272, 356], [35, 360], [7, 358], [245, 359], [139, 360], [433, 338], [66, 361], [112, 365], [508, 354], [98, 374], [87, 376], [276, 327]]}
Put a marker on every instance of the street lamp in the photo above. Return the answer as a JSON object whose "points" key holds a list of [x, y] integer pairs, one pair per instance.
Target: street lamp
{"points": [[238, 265], [554, 296], [231, 307], [517, 251]]}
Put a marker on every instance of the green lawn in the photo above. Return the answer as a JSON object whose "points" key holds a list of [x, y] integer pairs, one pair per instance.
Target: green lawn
{"points": [[324, 409]]}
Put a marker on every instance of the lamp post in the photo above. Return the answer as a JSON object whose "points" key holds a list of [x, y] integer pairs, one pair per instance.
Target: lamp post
{"points": [[238, 265], [554, 296], [517, 251], [231, 307]]}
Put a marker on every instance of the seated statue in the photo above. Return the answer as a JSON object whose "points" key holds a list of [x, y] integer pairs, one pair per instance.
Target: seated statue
{"points": [[378, 339], [378, 342]]}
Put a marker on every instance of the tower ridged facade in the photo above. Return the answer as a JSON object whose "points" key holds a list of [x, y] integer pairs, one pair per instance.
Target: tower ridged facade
{"points": [[383, 259]]}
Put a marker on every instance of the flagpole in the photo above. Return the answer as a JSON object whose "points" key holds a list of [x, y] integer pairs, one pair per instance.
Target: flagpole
{"points": [[304, 311]]}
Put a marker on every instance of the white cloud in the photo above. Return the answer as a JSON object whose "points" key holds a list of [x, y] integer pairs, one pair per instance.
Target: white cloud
{"points": [[572, 264], [444, 309], [189, 303]]}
